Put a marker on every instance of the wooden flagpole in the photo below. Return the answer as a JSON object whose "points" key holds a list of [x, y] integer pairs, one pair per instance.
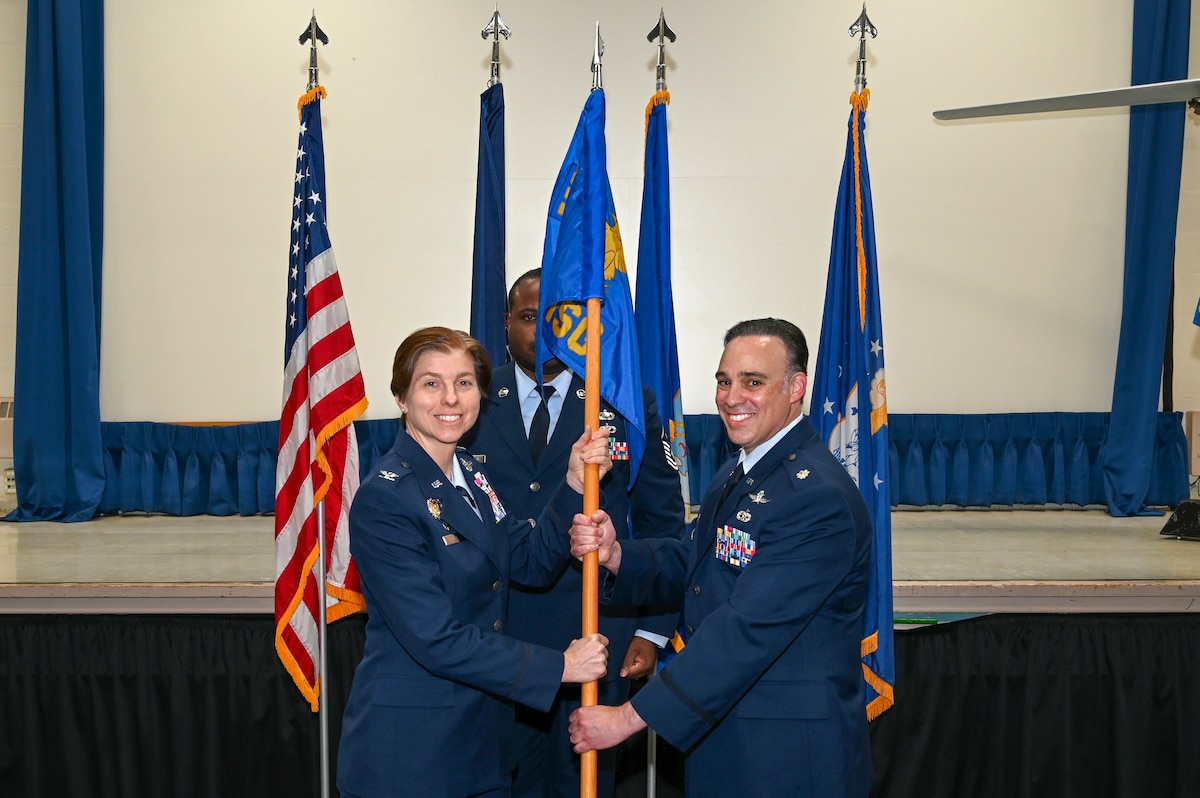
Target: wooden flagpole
{"points": [[591, 503]]}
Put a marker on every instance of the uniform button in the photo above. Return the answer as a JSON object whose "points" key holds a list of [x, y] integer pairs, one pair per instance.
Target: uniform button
{"points": [[691, 630], [792, 456], [535, 487], [497, 626], [496, 585], [696, 589]]}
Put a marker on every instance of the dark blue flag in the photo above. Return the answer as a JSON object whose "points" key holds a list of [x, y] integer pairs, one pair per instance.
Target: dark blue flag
{"points": [[655, 306], [582, 260], [848, 403], [488, 295]]}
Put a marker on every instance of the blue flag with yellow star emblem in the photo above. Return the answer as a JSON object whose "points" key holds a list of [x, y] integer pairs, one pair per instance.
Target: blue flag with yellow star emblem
{"points": [[848, 404], [583, 259]]}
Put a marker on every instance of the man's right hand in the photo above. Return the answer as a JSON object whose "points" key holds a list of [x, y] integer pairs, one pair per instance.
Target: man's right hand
{"points": [[586, 659], [596, 533], [600, 727]]}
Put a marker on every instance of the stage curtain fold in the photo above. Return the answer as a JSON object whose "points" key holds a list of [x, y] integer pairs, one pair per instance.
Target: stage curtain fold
{"points": [[1001, 706], [150, 706], [1161, 30], [1012, 706], [57, 450]]}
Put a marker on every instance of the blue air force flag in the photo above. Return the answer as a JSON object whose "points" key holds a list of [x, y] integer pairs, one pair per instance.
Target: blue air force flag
{"points": [[489, 299], [655, 307], [849, 398]]}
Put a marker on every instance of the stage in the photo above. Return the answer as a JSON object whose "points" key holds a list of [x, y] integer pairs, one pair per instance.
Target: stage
{"points": [[944, 562], [1070, 665]]}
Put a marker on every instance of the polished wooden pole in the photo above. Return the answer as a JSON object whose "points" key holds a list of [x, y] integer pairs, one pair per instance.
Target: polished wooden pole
{"points": [[591, 503]]}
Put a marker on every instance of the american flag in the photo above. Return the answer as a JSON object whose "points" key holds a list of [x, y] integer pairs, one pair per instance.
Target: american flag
{"points": [[323, 392]]}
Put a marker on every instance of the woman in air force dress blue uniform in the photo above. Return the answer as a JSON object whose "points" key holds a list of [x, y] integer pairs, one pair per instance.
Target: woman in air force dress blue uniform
{"points": [[431, 708]]}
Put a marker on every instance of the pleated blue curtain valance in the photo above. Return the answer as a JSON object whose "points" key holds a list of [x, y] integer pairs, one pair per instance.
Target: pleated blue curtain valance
{"points": [[937, 460]]}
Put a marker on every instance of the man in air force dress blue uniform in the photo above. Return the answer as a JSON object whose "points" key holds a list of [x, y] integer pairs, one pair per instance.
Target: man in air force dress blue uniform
{"points": [[767, 698]]}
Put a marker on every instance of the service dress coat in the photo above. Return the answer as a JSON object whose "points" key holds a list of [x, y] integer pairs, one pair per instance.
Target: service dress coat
{"points": [[767, 698], [431, 707]]}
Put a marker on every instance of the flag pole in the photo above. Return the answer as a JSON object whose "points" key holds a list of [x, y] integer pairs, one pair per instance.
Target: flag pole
{"points": [[322, 634], [659, 35], [488, 254], [312, 34], [591, 561], [589, 692]]}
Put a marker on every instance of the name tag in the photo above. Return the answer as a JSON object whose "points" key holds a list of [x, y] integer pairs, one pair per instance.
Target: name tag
{"points": [[451, 539]]}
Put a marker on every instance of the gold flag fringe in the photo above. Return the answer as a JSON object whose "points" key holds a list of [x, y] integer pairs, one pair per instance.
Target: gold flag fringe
{"points": [[859, 103], [659, 98], [312, 95]]}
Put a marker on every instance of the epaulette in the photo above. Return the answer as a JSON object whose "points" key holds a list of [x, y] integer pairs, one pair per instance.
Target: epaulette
{"points": [[800, 475], [392, 476]]}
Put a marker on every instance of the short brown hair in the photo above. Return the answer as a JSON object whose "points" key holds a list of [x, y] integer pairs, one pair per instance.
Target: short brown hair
{"points": [[437, 339], [789, 334]]}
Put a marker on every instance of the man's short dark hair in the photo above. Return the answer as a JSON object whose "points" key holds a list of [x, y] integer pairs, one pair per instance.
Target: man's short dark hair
{"points": [[785, 331], [532, 274]]}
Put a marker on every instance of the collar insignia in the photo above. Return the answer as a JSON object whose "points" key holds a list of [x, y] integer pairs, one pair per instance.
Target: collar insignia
{"points": [[503, 392], [437, 483], [582, 394], [802, 474]]}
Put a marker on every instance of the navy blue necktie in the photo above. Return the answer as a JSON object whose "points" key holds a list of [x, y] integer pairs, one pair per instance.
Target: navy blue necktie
{"points": [[730, 483], [539, 427]]}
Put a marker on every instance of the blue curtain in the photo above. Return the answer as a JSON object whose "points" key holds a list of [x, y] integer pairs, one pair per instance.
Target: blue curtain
{"points": [[1160, 52], [936, 460], [57, 452], [1022, 459]]}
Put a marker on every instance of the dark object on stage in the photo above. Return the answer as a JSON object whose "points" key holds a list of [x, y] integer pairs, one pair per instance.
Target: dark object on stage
{"points": [[1184, 523]]}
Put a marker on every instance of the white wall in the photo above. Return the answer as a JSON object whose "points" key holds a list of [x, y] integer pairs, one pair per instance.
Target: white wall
{"points": [[12, 86], [1000, 241]]}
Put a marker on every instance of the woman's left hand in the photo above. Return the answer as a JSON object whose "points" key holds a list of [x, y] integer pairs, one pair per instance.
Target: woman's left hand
{"points": [[592, 447]]}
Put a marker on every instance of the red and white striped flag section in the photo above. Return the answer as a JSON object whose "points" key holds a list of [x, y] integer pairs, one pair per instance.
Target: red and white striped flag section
{"points": [[323, 393]]}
